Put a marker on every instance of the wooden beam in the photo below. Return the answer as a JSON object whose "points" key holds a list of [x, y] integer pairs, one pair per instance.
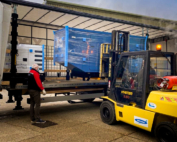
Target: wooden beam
{"points": [[48, 58], [8, 50], [54, 70], [94, 78], [64, 78], [5, 83], [6, 70], [55, 78]]}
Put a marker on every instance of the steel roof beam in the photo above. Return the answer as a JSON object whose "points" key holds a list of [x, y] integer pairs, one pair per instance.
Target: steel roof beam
{"points": [[52, 8]]}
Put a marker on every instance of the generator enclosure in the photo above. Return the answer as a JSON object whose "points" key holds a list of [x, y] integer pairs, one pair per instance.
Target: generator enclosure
{"points": [[26, 57], [79, 49]]}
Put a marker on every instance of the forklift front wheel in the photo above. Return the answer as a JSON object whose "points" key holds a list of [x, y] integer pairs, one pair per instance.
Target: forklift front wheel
{"points": [[107, 112], [166, 132]]}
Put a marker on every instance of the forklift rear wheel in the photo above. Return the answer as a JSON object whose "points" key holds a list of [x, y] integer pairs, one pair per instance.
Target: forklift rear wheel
{"points": [[166, 132], [107, 112]]}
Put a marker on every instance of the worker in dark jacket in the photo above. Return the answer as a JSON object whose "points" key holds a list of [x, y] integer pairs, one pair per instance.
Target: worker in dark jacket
{"points": [[35, 87]]}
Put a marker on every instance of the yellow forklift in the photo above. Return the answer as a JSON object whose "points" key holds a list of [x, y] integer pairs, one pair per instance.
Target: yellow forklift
{"points": [[142, 89]]}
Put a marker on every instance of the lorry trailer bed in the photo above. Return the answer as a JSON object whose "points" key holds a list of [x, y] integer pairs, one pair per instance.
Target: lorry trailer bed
{"points": [[64, 84]]}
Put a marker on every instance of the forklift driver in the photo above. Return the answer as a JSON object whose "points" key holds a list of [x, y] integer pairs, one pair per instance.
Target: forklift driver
{"points": [[140, 75], [125, 75], [139, 78], [152, 71], [152, 77], [35, 87]]}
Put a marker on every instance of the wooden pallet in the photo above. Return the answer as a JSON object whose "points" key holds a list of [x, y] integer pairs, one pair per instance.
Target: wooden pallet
{"points": [[48, 58], [6, 70], [8, 50], [47, 70], [55, 78], [5, 83]]}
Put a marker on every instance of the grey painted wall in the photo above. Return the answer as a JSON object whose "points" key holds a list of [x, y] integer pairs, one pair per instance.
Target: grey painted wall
{"points": [[171, 45]]}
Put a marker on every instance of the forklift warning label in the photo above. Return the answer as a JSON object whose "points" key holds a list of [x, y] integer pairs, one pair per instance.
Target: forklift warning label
{"points": [[141, 121], [173, 100]]}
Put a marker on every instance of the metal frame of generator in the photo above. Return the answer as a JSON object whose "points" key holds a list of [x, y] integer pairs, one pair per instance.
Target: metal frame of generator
{"points": [[85, 52]]}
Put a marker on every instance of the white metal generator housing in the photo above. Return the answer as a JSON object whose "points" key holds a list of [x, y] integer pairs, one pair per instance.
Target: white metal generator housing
{"points": [[26, 57]]}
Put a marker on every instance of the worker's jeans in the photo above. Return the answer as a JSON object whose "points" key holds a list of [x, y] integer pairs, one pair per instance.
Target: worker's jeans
{"points": [[35, 102]]}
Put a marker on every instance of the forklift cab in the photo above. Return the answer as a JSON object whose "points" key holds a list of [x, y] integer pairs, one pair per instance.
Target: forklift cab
{"points": [[136, 75]]}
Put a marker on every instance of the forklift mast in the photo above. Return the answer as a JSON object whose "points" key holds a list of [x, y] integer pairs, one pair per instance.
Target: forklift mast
{"points": [[120, 44]]}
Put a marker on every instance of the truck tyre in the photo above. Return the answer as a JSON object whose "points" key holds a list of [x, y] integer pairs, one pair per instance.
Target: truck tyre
{"points": [[166, 132], [107, 112], [1, 96]]}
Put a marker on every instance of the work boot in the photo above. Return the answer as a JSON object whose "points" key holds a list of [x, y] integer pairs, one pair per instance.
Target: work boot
{"points": [[33, 121], [40, 121]]}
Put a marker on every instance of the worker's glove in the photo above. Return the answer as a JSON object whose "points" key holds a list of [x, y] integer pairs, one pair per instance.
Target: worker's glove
{"points": [[44, 92]]}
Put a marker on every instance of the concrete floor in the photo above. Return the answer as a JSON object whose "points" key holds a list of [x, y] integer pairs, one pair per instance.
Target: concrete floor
{"points": [[78, 122]]}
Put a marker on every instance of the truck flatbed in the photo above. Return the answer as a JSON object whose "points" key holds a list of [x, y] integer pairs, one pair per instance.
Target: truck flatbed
{"points": [[73, 89], [63, 84]]}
